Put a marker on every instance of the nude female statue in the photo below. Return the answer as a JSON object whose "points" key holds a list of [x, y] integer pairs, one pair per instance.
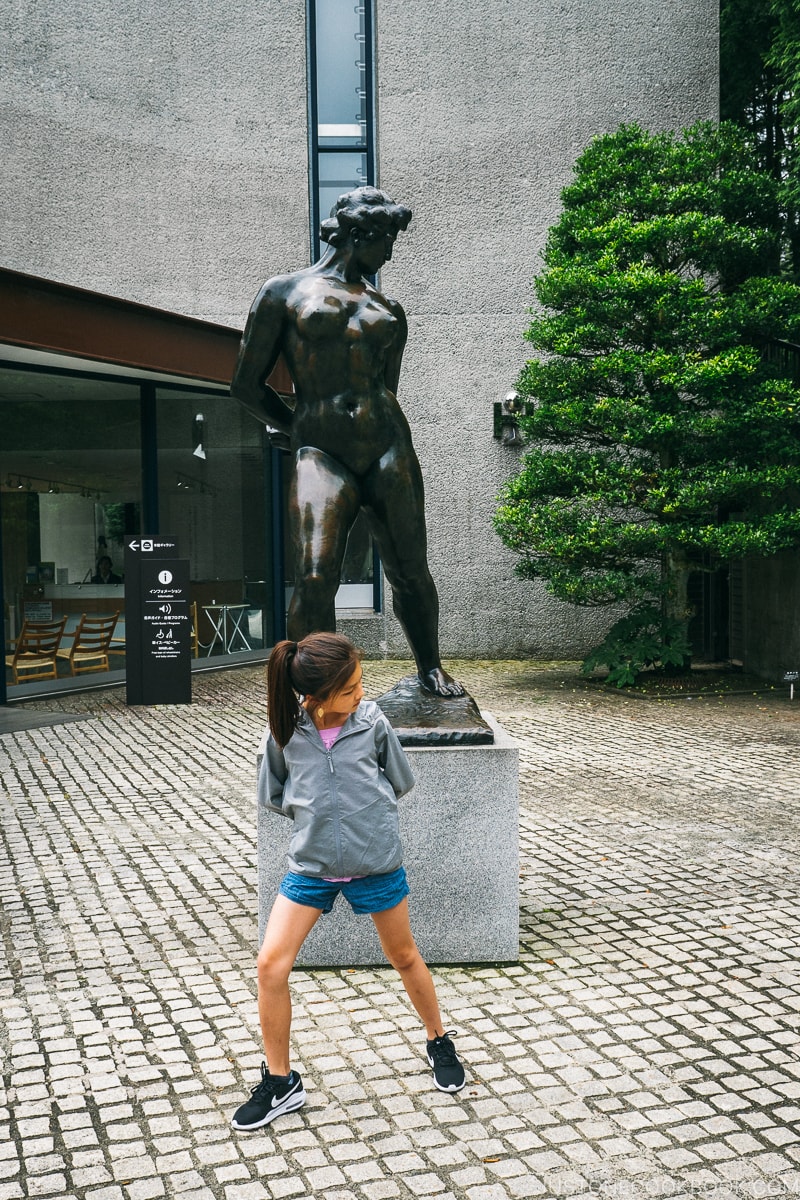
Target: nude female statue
{"points": [[343, 342]]}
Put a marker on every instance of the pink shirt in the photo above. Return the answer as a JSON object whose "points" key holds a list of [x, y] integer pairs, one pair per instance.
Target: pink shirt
{"points": [[329, 736]]}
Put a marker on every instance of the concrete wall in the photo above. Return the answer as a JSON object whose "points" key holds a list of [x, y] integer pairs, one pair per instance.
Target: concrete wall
{"points": [[160, 155], [158, 150]]}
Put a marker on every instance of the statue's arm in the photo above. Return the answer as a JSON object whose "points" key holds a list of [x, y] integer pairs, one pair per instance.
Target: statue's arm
{"points": [[395, 357], [258, 353]]}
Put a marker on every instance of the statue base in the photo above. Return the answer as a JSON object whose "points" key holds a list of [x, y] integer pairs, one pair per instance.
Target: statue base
{"points": [[421, 719], [460, 829]]}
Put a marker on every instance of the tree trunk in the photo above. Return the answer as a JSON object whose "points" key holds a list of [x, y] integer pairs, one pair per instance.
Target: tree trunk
{"points": [[675, 604]]}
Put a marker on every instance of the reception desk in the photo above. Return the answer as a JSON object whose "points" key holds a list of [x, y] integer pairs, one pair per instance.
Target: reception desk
{"points": [[221, 615], [79, 598]]}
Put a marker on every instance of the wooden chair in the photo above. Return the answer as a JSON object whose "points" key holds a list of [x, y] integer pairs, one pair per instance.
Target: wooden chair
{"points": [[35, 653], [117, 645], [195, 633], [89, 649]]}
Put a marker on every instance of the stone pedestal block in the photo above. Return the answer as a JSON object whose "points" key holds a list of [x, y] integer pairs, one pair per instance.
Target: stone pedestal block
{"points": [[460, 831]]}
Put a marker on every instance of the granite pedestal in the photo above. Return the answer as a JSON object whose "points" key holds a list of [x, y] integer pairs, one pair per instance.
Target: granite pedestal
{"points": [[460, 831]]}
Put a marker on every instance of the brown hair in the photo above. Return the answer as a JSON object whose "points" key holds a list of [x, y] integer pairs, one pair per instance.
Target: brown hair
{"points": [[318, 665]]}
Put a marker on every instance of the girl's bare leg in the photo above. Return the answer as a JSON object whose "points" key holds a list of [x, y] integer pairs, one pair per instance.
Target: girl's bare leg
{"points": [[288, 927], [398, 944]]}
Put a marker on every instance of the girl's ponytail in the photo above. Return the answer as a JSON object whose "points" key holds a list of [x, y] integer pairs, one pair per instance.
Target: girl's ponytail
{"points": [[318, 665], [283, 708]]}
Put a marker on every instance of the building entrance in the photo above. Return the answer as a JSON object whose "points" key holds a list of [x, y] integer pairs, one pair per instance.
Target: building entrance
{"points": [[84, 457]]}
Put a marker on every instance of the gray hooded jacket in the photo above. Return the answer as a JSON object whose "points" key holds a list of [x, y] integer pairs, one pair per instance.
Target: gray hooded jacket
{"points": [[343, 801]]}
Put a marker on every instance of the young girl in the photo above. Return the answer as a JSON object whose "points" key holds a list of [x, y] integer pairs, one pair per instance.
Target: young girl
{"points": [[334, 765]]}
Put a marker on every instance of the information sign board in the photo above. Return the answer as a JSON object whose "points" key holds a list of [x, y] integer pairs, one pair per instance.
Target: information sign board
{"points": [[37, 610], [158, 623]]}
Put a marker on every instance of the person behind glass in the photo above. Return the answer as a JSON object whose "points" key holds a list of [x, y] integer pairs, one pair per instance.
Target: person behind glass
{"points": [[334, 766], [104, 573]]}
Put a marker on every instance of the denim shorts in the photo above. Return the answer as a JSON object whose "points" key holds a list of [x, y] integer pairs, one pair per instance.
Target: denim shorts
{"points": [[372, 894]]}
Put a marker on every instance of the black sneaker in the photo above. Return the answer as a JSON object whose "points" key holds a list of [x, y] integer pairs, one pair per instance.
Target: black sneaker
{"points": [[271, 1098], [448, 1073]]}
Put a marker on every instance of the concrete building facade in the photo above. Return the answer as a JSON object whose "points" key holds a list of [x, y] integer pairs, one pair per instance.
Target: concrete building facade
{"points": [[161, 155]]}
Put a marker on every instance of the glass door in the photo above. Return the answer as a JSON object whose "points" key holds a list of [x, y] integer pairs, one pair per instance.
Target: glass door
{"points": [[70, 489]]}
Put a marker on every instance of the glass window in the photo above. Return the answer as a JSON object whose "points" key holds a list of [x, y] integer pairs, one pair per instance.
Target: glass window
{"points": [[70, 484], [341, 72], [342, 158], [339, 172], [340, 103], [71, 471], [213, 472]]}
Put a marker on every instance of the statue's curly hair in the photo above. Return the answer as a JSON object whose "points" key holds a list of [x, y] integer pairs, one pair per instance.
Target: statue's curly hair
{"points": [[367, 209]]}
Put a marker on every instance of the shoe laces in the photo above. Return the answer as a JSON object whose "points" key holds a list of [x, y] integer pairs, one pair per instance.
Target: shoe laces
{"points": [[267, 1085], [443, 1050]]}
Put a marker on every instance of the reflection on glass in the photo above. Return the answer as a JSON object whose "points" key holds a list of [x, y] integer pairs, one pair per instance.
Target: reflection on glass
{"points": [[70, 476], [214, 503], [341, 72], [339, 172]]}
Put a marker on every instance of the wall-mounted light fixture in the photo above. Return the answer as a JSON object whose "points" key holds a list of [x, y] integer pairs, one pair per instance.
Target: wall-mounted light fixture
{"points": [[189, 483], [35, 483], [506, 416], [198, 436]]}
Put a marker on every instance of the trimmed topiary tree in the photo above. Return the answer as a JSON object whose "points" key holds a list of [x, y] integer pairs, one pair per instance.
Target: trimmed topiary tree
{"points": [[661, 427]]}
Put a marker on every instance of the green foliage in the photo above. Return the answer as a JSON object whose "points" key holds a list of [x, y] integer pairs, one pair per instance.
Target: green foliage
{"points": [[643, 638], [760, 90], [784, 52], [746, 35], [114, 519], [659, 430], [783, 65]]}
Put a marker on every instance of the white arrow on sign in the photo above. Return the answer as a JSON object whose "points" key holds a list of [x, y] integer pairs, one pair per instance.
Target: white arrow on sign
{"points": [[133, 545]]}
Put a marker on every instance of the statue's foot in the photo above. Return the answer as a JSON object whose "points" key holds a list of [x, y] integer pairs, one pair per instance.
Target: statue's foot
{"points": [[440, 683]]}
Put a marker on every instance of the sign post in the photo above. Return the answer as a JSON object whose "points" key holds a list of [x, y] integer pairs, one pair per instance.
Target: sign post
{"points": [[158, 625]]}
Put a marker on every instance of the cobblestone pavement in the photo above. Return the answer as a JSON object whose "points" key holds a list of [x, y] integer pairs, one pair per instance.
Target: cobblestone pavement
{"points": [[645, 1045]]}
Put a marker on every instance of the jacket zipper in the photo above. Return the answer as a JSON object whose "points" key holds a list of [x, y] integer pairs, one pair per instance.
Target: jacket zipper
{"points": [[337, 820], [337, 827]]}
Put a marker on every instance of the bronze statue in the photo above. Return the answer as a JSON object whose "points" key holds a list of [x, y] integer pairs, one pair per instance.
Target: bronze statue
{"points": [[343, 343]]}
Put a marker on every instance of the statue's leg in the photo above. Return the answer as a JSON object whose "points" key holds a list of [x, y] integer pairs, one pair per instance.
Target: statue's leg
{"points": [[393, 496], [323, 503]]}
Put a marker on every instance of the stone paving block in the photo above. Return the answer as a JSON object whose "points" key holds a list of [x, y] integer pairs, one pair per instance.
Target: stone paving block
{"points": [[383, 1190], [488, 1192], [46, 1185], [424, 1184], [281, 1188], [145, 1189], [252, 1190]]}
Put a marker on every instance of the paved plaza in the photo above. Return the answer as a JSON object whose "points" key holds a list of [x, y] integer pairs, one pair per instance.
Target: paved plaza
{"points": [[647, 1043]]}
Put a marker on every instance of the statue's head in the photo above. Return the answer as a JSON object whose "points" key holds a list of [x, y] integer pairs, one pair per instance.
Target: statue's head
{"points": [[366, 211]]}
